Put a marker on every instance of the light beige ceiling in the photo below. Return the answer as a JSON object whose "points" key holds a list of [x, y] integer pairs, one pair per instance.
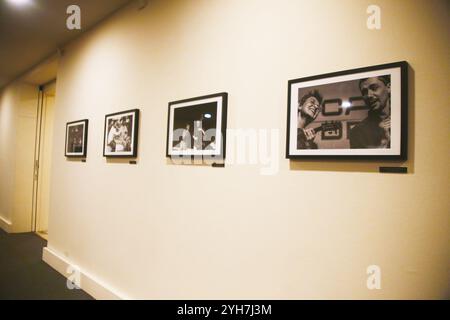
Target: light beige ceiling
{"points": [[31, 33]]}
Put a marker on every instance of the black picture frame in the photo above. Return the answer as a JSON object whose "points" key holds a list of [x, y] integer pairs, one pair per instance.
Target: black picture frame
{"points": [[212, 110], [355, 139], [72, 149], [127, 122]]}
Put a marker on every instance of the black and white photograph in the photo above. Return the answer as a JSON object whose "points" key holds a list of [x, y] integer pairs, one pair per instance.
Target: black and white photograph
{"points": [[360, 113], [197, 126], [76, 138], [121, 134]]}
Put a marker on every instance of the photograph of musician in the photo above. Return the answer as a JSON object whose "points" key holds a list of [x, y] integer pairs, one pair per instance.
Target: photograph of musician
{"points": [[374, 130], [308, 109], [198, 135], [76, 145], [193, 139], [119, 139], [212, 144], [75, 139], [185, 141], [193, 127]]}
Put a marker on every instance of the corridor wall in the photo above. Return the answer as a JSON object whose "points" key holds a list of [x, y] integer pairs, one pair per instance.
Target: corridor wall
{"points": [[18, 105], [157, 230]]}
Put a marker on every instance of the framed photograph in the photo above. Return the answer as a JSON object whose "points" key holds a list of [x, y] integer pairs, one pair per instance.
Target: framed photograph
{"points": [[197, 126], [76, 139], [121, 134], [354, 114]]}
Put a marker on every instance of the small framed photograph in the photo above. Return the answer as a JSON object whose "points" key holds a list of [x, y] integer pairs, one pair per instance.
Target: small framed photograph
{"points": [[121, 134], [354, 114], [76, 138], [197, 126]]}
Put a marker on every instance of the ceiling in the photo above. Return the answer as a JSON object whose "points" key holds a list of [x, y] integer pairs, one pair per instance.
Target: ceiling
{"points": [[30, 33]]}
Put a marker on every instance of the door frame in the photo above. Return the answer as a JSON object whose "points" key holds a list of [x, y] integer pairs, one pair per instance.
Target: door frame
{"points": [[37, 153]]}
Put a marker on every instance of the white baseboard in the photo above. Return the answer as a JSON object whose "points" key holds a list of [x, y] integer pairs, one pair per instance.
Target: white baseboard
{"points": [[5, 224], [88, 283]]}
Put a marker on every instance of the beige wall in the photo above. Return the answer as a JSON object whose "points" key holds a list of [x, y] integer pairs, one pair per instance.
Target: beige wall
{"points": [[156, 230], [18, 103], [7, 149]]}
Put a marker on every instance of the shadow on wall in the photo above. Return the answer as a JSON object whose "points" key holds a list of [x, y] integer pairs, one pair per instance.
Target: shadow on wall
{"points": [[193, 161], [344, 165], [81, 159], [122, 160], [368, 165]]}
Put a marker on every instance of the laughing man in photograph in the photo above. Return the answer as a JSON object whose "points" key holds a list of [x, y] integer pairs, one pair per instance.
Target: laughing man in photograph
{"points": [[308, 109]]}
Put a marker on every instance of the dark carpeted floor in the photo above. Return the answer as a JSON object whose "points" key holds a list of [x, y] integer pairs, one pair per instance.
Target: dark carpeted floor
{"points": [[23, 274]]}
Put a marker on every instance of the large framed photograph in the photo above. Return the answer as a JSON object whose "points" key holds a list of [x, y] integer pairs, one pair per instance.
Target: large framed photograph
{"points": [[121, 134], [354, 114], [197, 127], [76, 139]]}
